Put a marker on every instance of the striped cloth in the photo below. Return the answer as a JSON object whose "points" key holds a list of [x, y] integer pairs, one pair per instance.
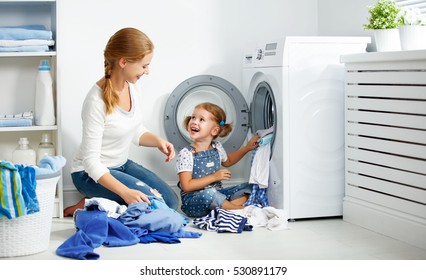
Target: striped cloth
{"points": [[258, 196], [12, 202], [221, 220]]}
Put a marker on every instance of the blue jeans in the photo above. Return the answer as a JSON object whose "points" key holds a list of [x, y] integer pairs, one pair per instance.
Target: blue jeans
{"points": [[200, 203], [133, 176]]}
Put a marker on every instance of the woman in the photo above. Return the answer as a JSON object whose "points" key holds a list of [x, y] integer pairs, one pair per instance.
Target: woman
{"points": [[112, 120]]}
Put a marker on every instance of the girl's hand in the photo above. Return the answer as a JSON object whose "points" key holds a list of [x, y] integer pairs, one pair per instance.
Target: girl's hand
{"points": [[223, 174], [252, 143]]}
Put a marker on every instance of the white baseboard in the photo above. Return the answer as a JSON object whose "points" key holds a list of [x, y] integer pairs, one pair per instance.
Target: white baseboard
{"points": [[404, 227]]}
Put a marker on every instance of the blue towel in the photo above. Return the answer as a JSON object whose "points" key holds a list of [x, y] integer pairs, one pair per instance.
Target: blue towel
{"points": [[138, 216], [157, 203], [49, 165], [24, 33], [15, 122], [94, 229], [29, 185], [12, 202]]}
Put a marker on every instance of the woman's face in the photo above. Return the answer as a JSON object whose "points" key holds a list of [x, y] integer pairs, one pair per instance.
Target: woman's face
{"points": [[133, 71]]}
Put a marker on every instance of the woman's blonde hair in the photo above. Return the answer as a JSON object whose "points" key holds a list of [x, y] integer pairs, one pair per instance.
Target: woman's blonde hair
{"points": [[130, 44], [218, 115]]}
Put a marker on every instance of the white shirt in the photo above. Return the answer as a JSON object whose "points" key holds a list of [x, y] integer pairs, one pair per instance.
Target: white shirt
{"points": [[107, 138]]}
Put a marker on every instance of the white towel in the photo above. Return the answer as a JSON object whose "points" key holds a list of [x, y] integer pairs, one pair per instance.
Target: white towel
{"points": [[30, 42], [268, 217], [259, 173]]}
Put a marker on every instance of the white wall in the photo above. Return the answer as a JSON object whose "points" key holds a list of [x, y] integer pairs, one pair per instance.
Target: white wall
{"points": [[192, 37], [343, 17]]}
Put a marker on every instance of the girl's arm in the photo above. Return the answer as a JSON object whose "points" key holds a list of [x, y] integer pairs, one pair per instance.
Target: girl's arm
{"points": [[190, 185], [236, 156]]}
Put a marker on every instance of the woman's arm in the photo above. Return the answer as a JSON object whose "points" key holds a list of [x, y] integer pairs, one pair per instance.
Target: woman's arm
{"points": [[149, 139]]}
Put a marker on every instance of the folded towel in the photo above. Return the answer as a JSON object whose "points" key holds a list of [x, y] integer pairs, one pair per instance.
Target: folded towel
{"points": [[24, 115], [49, 165], [15, 122], [19, 33], [21, 119], [29, 42], [44, 48], [28, 26]]}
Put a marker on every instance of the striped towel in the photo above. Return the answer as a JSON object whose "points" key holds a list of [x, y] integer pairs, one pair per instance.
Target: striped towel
{"points": [[221, 220], [12, 202]]}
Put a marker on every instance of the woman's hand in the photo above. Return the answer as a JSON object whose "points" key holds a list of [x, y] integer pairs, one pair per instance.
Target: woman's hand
{"points": [[131, 196], [149, 139], [167, 148]]}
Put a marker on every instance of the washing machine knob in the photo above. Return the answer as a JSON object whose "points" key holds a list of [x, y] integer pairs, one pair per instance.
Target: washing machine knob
{"points": [[259, 54]]}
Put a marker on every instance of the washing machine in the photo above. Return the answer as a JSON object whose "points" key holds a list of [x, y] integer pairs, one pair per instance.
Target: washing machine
{"points": [[294, 86]]}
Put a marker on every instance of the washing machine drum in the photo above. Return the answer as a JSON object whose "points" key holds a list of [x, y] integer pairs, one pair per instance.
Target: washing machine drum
{"points": [[208, 88]]}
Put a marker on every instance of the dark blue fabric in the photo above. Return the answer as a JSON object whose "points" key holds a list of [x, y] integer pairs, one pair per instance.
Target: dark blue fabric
{"points": [[164, 237], [29, 185], [95, 228]]}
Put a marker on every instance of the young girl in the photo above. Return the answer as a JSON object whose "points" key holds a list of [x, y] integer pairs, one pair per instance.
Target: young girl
{"points": [[112, 121], [198, 164]]}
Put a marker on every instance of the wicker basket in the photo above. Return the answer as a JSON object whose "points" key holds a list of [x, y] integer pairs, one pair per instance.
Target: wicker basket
{"points": [[30, 234]]}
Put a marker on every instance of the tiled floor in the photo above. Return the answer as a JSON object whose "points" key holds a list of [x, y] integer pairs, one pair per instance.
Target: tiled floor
{"points": [[316, 239]]}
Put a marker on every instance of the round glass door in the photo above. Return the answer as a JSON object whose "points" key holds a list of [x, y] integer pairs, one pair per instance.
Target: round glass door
{"points": [[206, 88], [263, 110]]}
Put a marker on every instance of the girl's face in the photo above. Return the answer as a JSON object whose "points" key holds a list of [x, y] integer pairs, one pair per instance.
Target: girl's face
{"points": [[202, 125], [133, 71]]}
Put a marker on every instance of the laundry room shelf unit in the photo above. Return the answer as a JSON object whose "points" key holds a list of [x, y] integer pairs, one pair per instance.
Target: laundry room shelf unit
{"points": [[385, 143], [18, 72]]}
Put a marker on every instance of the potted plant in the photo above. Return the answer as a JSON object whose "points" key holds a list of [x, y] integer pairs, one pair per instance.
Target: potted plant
{"points": [[412, 32], [384, 23]]}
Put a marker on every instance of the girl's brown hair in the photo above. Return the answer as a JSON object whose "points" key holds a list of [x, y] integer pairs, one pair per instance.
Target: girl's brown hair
{"points": [[130, 44], [218, 115]]}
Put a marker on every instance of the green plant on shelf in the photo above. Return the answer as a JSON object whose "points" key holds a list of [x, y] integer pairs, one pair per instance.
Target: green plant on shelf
{"points": [[383, 15]]}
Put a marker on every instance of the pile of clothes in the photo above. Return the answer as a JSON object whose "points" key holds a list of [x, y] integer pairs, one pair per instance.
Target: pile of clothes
{"points": [[105, 222], [26, 38]]}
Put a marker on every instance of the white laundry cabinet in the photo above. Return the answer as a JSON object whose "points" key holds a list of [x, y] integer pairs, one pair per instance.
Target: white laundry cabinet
{"points": [[385, 143], [18, 71]]}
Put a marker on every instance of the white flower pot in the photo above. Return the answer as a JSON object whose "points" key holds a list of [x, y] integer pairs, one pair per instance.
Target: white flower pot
{"points": [[387, 40], [413, 37]]}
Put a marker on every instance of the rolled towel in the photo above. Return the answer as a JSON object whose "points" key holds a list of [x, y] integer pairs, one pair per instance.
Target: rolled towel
{"points": [[49, 165]]}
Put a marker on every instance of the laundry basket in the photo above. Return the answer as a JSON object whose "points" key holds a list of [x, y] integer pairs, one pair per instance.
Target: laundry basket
{"points": [[30, 234]]}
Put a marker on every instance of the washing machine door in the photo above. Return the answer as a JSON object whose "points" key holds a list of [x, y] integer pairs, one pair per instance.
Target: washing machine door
{"points": [[263, 111], [206, 88]]}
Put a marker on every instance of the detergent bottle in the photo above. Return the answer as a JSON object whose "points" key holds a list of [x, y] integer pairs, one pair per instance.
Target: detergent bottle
{"points": [[44, 112]]}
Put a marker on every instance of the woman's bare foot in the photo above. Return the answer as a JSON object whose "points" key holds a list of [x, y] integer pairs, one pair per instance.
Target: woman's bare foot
{"points": [[69, 211]]}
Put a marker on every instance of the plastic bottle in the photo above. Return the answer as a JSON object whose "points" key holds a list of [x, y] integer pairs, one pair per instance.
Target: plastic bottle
{"points": [[46, 147], [24, 154], [44, 112]]}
